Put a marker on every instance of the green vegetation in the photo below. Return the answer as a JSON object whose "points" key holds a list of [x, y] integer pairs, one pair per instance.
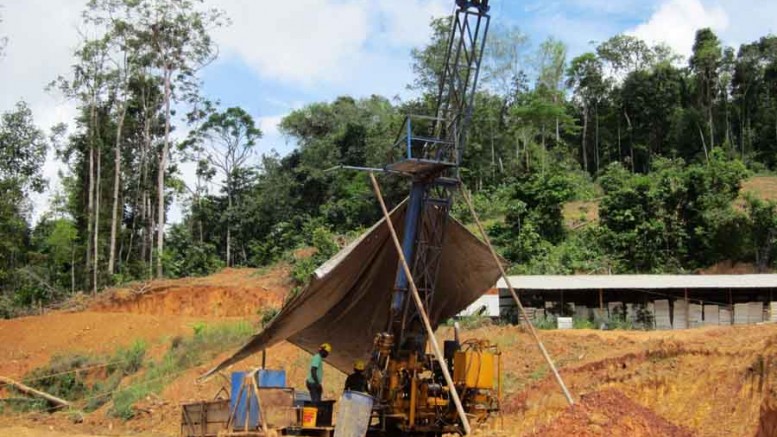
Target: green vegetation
{"points": [[662, 144], [127, 376], [470, 322], [580, 323], [204, 345], [87, 378], [267, 314]]}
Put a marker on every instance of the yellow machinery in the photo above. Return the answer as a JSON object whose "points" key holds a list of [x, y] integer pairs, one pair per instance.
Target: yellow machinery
{"points": [[412, 397]]}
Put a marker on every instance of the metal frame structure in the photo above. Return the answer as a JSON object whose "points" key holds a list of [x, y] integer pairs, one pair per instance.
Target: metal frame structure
{"points": [[430, 150]]}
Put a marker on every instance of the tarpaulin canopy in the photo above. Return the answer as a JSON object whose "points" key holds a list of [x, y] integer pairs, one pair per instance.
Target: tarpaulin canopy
{"points": [[348, 299]]}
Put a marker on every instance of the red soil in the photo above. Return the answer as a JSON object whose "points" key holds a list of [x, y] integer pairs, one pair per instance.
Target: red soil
{"points": [[610, 413]]}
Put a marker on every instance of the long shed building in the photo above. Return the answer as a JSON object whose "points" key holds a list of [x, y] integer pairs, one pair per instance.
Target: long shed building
{"points": [[654, 301]]}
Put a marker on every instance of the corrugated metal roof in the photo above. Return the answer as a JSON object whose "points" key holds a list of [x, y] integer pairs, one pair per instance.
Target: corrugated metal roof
{"points": [[595, 282]]}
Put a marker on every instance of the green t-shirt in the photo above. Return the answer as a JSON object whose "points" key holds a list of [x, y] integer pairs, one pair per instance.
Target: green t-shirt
{"points": [[318, 363]]}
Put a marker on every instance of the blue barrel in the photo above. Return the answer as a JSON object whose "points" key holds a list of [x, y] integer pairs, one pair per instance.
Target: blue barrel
{"points": [[271, 378], [353, 415], [264, 378]]}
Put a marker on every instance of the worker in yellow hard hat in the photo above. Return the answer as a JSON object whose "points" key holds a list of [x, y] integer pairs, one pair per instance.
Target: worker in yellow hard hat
{"points": [[357, 381], [315, 379]]}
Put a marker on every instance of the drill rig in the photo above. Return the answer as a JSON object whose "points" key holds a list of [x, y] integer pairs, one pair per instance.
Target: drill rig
{"points": [[412, 397]]}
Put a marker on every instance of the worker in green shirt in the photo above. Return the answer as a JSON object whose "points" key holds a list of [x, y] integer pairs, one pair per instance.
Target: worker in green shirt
{"points": [[316, 373]]}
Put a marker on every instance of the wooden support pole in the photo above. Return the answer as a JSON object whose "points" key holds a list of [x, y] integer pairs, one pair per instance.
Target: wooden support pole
{"points": [[260, 412], [532, 331], [420, 305], [601, 303], [31, 391]]}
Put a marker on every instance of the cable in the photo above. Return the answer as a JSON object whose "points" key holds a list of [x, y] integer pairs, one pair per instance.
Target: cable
{"points": [[97, 366], [532, 331]]}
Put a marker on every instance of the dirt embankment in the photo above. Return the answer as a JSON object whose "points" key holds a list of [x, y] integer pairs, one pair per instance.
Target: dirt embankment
{"points": [[150, 312], [229, 293], [610, 413]]}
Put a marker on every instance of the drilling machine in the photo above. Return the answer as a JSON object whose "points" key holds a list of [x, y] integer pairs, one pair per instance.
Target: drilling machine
{"points": [[412, 397]]}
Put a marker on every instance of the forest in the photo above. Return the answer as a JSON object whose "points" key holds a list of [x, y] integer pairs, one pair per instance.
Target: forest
{"points": [[658, 144]]}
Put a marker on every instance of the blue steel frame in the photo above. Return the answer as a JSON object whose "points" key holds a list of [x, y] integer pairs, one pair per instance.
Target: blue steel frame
{"points": [[431, 159]]}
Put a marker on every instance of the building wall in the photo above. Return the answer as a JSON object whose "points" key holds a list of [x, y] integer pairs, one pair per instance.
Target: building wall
{"points": [[489, 301]]}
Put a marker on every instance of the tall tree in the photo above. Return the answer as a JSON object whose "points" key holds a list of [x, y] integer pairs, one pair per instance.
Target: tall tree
{"points": [[586, 78], [551, 64], [503, 57], [228, 139], [22, 154], [116, 18], [705, 63], [175, 34], [625, 54], [88, 85]]}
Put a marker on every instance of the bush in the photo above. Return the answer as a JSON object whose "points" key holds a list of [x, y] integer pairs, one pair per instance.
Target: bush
{"points": [[76, 377], [206, 342], [266, 315], [323, 241], [63, 376], [546, 323], [474, 321], [581, 323], [129, 360], [184, 257]]}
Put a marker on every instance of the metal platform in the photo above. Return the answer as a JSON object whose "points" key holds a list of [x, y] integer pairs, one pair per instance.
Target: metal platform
{"points": [[417, 166]]}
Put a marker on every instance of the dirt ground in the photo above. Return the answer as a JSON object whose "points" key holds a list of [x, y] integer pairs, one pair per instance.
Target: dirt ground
{"points": [[229, 293], [715, 381]]}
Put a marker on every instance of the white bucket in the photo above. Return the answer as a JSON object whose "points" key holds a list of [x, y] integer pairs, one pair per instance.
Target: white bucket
{"points": [[353, 415]]}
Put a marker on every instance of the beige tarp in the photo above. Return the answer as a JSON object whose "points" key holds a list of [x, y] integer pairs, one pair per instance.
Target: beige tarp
{"points": [[347, 302]]}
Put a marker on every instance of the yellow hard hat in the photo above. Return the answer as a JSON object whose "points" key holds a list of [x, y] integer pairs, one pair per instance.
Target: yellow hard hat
{"points": [[327, 347], [359, 365]]}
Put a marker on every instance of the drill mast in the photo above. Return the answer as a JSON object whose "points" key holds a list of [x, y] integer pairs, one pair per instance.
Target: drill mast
{"points": [[431, 151], [412, 395]]}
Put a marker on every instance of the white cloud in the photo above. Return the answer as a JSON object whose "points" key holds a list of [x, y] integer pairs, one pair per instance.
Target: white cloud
{"points": [[675, 23], [750, 20], [269, 125], [41, 37], [406, 23], [300, 41], [310, 42]]}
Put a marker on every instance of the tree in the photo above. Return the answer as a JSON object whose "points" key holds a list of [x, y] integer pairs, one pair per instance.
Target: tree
{"points": [[87, 86], [116, 18], [229, 138], [428, 62], [502, 58], [586, 78], [551, 62], [705, 63], [22, 154], [762, 221], [534, 219], [678, 217], [22, 150], [651, 97], [625, 54], [175, 37]]}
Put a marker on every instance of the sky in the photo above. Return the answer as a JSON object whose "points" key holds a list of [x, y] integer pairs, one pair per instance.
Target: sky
{"points": [[278, 56]]}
